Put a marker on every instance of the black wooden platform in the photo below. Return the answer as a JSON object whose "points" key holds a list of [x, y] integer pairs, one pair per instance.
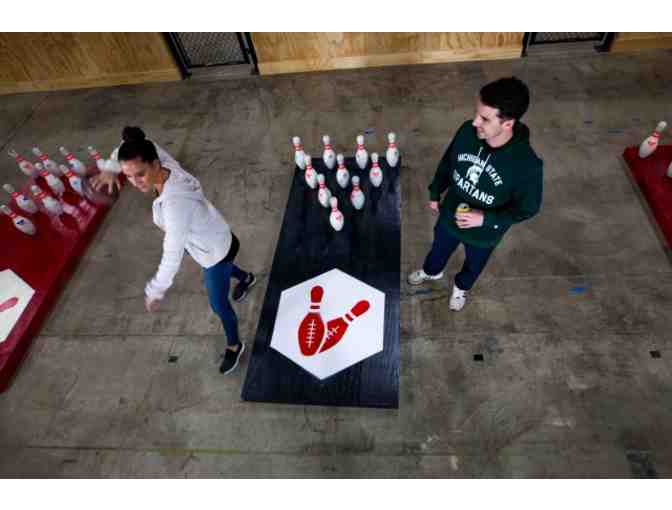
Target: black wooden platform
{"points": [[368, 248]]}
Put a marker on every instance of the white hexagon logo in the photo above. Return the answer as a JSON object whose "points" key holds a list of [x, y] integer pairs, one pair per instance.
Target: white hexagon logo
{"points": [[329, 323], [15, 294]]}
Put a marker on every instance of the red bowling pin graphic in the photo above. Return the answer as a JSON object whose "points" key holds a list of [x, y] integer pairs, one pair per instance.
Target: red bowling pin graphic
{"points": [[336, 328], [10, 303], [311, 330]]}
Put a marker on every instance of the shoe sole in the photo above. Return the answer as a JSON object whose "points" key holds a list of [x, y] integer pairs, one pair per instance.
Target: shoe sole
{"points": [[254, 282], [437, 277], [242, 350]]}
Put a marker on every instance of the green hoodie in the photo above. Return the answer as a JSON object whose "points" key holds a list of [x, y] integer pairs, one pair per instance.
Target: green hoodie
{"points": [[504, 182]]}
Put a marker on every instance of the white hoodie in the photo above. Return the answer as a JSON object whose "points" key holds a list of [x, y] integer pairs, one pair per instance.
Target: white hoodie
{"points": [[190, 222]]}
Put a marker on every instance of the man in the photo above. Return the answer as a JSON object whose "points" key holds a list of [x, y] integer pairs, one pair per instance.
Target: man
{"points": [[493, 179]]}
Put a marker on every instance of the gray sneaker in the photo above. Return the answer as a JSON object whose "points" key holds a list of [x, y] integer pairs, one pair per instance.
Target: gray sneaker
{"points": [[419, 276]]}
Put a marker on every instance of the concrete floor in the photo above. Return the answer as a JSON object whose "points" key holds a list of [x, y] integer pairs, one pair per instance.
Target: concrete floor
{"points": [[567, 387]]}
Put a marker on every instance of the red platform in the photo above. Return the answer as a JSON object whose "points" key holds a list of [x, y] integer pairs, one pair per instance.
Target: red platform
{"points": [[44, 261], [650, 175]]}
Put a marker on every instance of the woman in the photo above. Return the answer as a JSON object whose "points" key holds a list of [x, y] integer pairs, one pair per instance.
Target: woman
{"points": [[190, 223]]}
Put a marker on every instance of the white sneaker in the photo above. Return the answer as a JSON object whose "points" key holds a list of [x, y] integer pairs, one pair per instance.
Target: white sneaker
{"points": [[419, 276], [458, 299]]}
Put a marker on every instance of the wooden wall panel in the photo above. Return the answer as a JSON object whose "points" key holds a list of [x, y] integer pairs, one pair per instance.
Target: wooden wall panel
{"points": [[48, 61], [629, 41], [283, 52]]}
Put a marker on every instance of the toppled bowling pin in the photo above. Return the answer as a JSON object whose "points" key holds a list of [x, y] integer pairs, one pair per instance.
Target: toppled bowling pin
{"points": [[650, 144], [336, 328], [392, 154], [329, 155], [299, 154], [54, 182], [375, 174], [323, 194], [25, 203], [310, 174], [342, 174], [49, 164], [24, 165], [357, 195], [23, 224], [361, 156], [335, 218], [77, 166]]}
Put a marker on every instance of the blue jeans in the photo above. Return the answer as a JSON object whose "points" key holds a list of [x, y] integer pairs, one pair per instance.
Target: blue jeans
{"points": [[443, 247], [217, 280]]}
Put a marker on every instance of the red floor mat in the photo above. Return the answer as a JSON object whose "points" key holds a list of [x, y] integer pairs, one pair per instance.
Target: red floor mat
{"points": [[650, 175]]}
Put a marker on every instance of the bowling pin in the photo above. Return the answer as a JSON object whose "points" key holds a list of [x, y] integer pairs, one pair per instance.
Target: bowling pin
{"points": [[357, 196], [52, 206], [323, 195], [77, 166], [95, 155], [299, 154], [25, 203], [669, 170], [392, 154], [335, 218], [310, 174], [361, 156], [26, 166], [650, 144], [23, 224], [375, 174], [54, 182], [342, 174], [329, 155], [336, 328], [75, 181], [311, 329], [49, 164]]}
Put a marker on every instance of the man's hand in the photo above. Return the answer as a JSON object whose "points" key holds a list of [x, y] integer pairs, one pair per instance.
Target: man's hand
{"points": [[471, 219], [434, 206], [152, 305], [108, 179]]}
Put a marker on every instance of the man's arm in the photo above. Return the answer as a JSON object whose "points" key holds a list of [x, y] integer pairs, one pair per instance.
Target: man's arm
{"points": [[525, 204]]}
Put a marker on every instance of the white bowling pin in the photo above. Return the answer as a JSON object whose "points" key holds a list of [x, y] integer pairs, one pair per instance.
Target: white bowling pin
{"points": [[650, 144], [669, 170], [329, 155], [25, 203], [75, 182], [54, 182], [299, 154], [392, 154], [26, 166], [335, 218], [53, 206], [77, 166], [23, 224], [357, 197], [49, 164], [323, 195], [361, 156], [375, 174], [95, 155], [342, 174], [310, 174]]}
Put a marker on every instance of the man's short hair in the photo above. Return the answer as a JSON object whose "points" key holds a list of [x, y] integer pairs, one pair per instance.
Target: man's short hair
{"points": [[509, 95], [136, 146]]}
